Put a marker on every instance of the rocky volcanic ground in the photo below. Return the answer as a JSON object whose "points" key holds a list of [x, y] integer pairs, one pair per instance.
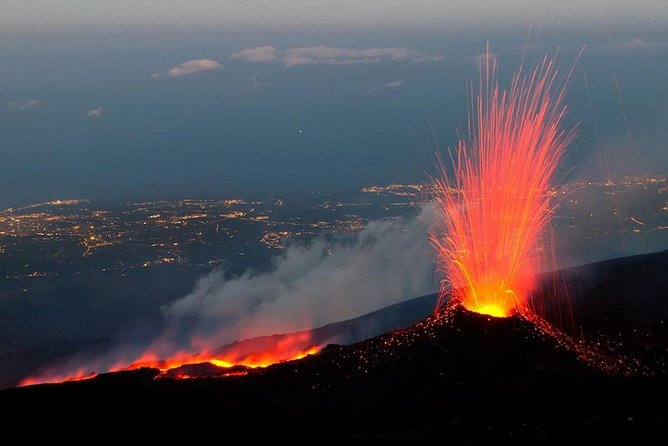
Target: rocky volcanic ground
{"points": [[459, 377], [455, 378]]}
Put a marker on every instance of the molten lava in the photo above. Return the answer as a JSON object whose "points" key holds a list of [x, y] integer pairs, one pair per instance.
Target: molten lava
{"points": [[493, 212], [253, 353]]}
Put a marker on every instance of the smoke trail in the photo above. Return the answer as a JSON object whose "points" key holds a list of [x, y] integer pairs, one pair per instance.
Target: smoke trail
{"points": [[307, 287]]}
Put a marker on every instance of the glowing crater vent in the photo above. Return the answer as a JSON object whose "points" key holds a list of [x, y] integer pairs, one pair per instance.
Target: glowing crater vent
{"points": [[493, 199]]}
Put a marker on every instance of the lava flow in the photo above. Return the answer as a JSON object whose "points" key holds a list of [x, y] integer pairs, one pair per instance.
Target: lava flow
{"points": [[494, 211], [252, 353]]}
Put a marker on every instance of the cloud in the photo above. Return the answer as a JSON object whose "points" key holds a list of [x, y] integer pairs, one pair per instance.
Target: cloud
{"points": [[341, 56], [262, 54], [192, 67], [326, 55], [23, 106], [95, 112]]}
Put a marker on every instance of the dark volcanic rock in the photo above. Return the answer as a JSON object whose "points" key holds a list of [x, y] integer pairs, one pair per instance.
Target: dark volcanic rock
{"points": [[458, 377]]}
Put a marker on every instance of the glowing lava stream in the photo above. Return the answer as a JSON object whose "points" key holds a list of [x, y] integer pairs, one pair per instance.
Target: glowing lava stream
{"points": [[493, 212], [251, 354]]}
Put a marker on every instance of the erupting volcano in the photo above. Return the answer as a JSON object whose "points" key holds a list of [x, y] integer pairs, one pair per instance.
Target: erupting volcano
{"points": [[406, 373], [494, 209], [491, 218]]}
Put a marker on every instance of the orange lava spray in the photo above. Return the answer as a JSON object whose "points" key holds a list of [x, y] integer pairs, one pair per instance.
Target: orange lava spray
{"points": [[492, 212]]}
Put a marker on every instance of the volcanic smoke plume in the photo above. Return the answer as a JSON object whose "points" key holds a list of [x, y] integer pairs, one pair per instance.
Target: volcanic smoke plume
{"points": [[307, 287], [493, 211]]}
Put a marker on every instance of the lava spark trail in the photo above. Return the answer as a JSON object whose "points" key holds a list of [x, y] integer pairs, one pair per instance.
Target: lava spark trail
{"points": [[494, 208]]}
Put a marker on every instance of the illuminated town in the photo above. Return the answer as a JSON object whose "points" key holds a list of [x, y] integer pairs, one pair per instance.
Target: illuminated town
{"points": [[78, 236]]}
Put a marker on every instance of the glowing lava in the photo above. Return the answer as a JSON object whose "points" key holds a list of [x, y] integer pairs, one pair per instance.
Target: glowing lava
{"points": [[493, 212], [253, 353]]}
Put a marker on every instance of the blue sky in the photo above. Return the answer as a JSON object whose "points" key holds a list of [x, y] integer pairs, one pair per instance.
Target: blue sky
{"points": [[127, 100]]}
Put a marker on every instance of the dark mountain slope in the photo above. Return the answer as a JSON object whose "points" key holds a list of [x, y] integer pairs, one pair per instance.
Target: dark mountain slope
{"points": [[458, 377]]}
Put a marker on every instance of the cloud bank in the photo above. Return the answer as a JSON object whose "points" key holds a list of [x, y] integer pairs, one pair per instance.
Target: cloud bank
{"points": [[326, 55]]}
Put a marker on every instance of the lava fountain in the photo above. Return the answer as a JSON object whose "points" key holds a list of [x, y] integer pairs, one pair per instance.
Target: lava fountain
{"points": [[493, 210]]}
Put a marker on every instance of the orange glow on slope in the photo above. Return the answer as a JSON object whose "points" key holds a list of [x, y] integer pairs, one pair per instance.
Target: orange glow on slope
{"points": [[492, 214], [253, 354]]}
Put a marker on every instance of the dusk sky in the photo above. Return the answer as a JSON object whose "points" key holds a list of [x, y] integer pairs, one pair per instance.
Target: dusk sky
{"points": [[42, 14], [142, 99]]}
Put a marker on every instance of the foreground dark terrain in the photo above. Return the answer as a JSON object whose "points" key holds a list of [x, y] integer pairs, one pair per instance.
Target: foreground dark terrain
{"points": [[457, 377]]}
